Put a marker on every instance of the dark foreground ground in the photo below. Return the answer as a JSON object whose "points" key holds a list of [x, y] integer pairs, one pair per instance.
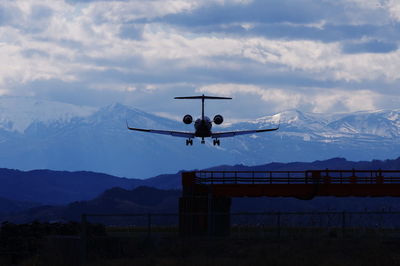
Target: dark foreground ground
{"points": [[288, 253], [249, 246], [261, 252], [247, 252]]}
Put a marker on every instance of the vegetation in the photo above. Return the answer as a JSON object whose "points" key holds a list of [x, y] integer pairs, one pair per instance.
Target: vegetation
{"points": [[60, 245], [37, 243]]}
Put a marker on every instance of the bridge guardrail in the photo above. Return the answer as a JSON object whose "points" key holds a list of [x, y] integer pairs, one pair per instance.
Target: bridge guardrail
{"points": [[325, 176]]}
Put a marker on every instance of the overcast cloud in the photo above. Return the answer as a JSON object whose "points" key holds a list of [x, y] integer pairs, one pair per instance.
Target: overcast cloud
{"points": [[316, 56]]}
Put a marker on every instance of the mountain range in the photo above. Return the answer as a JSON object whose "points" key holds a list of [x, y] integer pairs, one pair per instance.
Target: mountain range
{"points": [[46, 187], [60, 195], [39, 134]]}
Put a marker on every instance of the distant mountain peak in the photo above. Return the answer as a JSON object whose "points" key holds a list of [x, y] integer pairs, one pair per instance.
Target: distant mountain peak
{"points": [[18, 113]]}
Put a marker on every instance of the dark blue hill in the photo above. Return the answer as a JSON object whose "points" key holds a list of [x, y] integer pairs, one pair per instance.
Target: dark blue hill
{"points": [[173, 181], [103, 193], [143, 200], [57, 187], [112, 201]]}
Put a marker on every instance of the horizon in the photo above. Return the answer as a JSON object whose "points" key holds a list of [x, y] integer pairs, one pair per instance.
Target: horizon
{"points": [[209, 167]]}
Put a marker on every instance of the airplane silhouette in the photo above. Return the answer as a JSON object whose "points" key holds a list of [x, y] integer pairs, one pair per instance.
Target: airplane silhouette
{"points": [[202, 125]]}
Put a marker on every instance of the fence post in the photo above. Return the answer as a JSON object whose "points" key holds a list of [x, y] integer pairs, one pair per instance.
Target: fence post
{"points": [[210, 212], [83, 239], [278, 221], [148, 224], [343, 223]]}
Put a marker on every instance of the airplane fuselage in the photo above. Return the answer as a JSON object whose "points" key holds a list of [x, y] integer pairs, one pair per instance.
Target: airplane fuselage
{"points": [[203, 127]]}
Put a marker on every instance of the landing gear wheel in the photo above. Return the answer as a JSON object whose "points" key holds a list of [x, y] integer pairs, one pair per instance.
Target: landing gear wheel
{"points": [[216, 142], [189, 142]]}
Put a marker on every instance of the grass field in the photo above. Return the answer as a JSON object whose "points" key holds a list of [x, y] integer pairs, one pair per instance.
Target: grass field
{"points": [[245, 246], [286, 251], [45, 244]]}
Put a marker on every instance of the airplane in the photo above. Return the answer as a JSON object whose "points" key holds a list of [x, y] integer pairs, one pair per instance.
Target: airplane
{"points": [[202, 125]]}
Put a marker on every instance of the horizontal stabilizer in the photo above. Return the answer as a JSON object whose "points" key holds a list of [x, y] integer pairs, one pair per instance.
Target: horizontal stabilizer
{"points": [[204, 97]]}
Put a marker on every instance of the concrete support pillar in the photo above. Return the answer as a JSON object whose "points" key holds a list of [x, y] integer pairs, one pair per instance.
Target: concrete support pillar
{"points": [[200, 212], [199, 216], [220, 216]]}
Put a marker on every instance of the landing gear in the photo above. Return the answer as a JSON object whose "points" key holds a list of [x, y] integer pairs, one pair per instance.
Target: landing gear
{"points": [[203, 141], [189, 142], [216, 142]]}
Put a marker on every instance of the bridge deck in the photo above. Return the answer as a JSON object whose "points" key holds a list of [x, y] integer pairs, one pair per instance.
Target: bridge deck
{"points": [[300, 184]]}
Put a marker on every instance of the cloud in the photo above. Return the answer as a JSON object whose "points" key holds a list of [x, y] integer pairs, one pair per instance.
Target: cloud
{"points": [[156, 42], [131, 31], [320, 31], [388, 7], [8, 14], [127, 11], [256, 11], [315, 55], [312, 57], [373, 46], [326, 21], [310, 99]]}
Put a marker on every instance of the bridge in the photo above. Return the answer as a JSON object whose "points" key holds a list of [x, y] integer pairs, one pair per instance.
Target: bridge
{"points": [[204, 207]]}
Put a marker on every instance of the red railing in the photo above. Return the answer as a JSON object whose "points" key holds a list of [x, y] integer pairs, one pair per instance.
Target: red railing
{"points": [[299, 177]]}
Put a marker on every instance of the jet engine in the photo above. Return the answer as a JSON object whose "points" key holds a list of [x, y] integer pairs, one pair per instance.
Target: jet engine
{"points": [[187, 119], [218, 119]]}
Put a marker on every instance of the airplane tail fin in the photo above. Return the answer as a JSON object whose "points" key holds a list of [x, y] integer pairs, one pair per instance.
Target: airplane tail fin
{"points": [[203, 97]]}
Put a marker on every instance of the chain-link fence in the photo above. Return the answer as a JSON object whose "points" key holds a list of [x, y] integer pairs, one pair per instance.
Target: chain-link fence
{"points": [[153, 223], [125, 233]]}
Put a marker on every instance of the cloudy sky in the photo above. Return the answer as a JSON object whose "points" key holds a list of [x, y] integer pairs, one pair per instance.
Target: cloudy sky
{"points": [[312, 55]]}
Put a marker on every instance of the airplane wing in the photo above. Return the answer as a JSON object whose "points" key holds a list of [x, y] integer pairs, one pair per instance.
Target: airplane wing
{"points": [[237, 133], [165, 132]]}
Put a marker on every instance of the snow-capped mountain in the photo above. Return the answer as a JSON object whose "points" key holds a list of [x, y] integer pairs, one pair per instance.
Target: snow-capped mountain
{"points": [[42, 134], [18, 113]]}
